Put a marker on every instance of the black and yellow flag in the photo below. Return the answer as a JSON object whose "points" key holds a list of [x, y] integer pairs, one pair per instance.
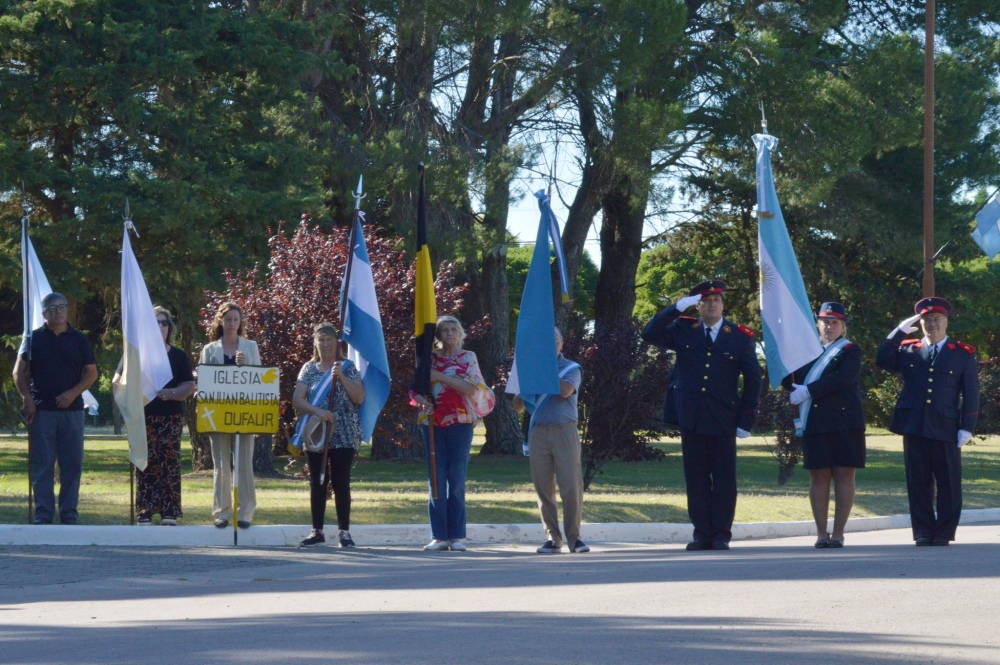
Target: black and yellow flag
{"points": [[425, 310]]}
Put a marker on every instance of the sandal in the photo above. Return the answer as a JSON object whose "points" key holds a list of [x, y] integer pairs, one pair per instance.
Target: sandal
{"points": [[823, 543], [836, 544]]}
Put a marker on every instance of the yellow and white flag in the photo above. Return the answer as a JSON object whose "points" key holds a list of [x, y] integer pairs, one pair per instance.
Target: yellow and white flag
{"points": [[145, 366]]}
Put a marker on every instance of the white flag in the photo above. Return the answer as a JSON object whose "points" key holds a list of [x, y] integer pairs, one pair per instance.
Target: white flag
{"points": [[145, 365]]}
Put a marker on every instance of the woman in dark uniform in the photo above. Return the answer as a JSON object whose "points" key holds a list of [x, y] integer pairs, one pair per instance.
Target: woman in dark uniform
{"points": [[831, 422]]}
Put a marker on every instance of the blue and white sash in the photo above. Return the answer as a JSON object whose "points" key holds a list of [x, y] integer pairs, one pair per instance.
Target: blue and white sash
{"points": [[304, 427], [533, 403], [814, 373]]}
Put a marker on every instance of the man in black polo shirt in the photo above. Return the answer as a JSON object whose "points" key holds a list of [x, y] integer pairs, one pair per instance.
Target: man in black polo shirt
{"points": [[61, 367]]}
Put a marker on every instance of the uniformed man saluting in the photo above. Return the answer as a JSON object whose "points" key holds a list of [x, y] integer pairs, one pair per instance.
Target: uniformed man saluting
{"points": [[936, 414], [712, 354]]}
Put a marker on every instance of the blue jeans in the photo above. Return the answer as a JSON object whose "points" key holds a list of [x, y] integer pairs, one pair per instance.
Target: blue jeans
{"points": [[451, 446], [56, 435]]}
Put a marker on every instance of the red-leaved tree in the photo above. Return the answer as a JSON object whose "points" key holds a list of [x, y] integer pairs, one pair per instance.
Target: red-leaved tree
{"points": [[301, 287]]}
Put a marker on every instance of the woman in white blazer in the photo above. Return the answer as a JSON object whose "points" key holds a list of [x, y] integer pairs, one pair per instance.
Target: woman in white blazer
{"points": [[229, 347]]}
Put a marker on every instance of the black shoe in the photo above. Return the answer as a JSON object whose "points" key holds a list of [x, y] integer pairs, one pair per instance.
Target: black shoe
{"points": [[697, 546], [579, 547], [41, 520], [71, 521], [315, 538], [345, 539], [549, 547], [243, 524], [923, 541], [940, 542], [221, 523], [720, 545], [835, 544]]}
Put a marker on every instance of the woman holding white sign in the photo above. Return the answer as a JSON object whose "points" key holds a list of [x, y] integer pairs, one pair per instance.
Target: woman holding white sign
{"points": [[229, 347], [329, 390]]}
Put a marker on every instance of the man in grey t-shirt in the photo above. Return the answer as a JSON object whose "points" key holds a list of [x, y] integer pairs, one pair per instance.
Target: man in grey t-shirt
{"points": [[554, 452]]}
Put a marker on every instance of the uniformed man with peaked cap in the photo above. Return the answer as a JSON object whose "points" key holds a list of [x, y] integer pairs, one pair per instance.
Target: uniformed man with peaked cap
{"points": [[711, 410], [936, 414]]}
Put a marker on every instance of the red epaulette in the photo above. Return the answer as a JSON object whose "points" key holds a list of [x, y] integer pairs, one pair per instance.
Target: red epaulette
{"points": [[749, 332], [966, 347], [909, 341], [688, 318]]}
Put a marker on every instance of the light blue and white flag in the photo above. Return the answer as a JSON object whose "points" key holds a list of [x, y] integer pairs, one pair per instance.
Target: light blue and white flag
{"points": [[790, 337], [545, 205], [363, 331], [535, 343], [987, 232]]}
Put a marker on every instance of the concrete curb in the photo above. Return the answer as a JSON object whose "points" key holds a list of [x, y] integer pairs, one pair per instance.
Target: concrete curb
{"points": [[418, 534]]}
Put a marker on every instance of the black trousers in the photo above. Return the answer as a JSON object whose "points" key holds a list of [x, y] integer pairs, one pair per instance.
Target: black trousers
{"points": [[933, 465], [710, 474], [339, 461]]}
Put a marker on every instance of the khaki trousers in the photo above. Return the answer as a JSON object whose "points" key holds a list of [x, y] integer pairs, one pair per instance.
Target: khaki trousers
{"points": [[222, 477], [554, 455]]}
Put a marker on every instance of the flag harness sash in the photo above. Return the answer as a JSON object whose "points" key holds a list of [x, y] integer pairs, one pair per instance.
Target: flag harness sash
{"points": [[814, 373], [535, 406], [305, 425]]}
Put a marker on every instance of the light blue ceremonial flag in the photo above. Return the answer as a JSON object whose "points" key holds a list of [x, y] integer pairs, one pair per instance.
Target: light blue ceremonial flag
{"points": [[550, 219], [536, 368], [987, 232], [363, 333], [790, 337]]}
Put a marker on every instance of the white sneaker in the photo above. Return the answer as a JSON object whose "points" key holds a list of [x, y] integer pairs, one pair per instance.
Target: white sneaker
{"points": [[436, 546], [457, 546]]}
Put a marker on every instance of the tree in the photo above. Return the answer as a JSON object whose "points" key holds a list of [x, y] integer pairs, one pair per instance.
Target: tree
{"points": [[301, 287]]}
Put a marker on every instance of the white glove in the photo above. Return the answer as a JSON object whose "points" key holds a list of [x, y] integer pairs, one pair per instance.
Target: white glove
{"points": [[741, 433], [687, 302], [906, 326], [800, 394], [964, 436]]}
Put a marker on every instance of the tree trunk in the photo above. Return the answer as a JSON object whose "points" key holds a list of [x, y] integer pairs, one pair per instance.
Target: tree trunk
{"points": [[384, 448], [263, 455], [621, 246]]}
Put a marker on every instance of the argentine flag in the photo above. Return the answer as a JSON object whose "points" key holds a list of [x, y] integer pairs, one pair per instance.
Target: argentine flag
{"points": [[535, 342], [987, 231], [790, 337], [145, 366], [363, 332]]}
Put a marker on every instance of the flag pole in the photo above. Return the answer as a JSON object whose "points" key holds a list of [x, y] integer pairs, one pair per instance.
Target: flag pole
{"points": [[352, 238], [127, 217], [236, 490], [28, 302], [431, 452], [928, 281]]}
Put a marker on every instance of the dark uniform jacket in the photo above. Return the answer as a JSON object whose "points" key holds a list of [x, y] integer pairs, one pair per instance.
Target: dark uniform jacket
{"points": [[935, 401], [836, 394], [705, 382]]}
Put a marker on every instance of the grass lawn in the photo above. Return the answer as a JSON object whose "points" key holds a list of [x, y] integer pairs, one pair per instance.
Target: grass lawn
{"points": [[500, 490]]}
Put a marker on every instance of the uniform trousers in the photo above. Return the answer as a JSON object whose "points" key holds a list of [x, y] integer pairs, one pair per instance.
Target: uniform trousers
{"points": [[933, 464], [222, 477], [710, 475], [554, 456]]}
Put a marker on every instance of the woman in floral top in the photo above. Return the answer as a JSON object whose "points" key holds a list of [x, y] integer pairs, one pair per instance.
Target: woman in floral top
{"points": [[342, 422], [460, 396]]}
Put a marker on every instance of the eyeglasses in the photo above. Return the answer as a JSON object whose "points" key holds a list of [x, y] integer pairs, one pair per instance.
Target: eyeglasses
{"points": [[163, 324], [57, 308]]}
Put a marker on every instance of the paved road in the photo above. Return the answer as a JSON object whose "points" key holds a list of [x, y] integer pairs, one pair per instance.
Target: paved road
{"points": [[879, 600]]}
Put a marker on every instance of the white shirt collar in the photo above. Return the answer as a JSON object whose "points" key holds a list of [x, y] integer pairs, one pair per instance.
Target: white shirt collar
{"points": [[714, 328], [926, 342]]}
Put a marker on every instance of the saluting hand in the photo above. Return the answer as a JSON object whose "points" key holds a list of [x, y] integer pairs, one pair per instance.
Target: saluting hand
{"points": [[688, 302], [907, 325]]}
